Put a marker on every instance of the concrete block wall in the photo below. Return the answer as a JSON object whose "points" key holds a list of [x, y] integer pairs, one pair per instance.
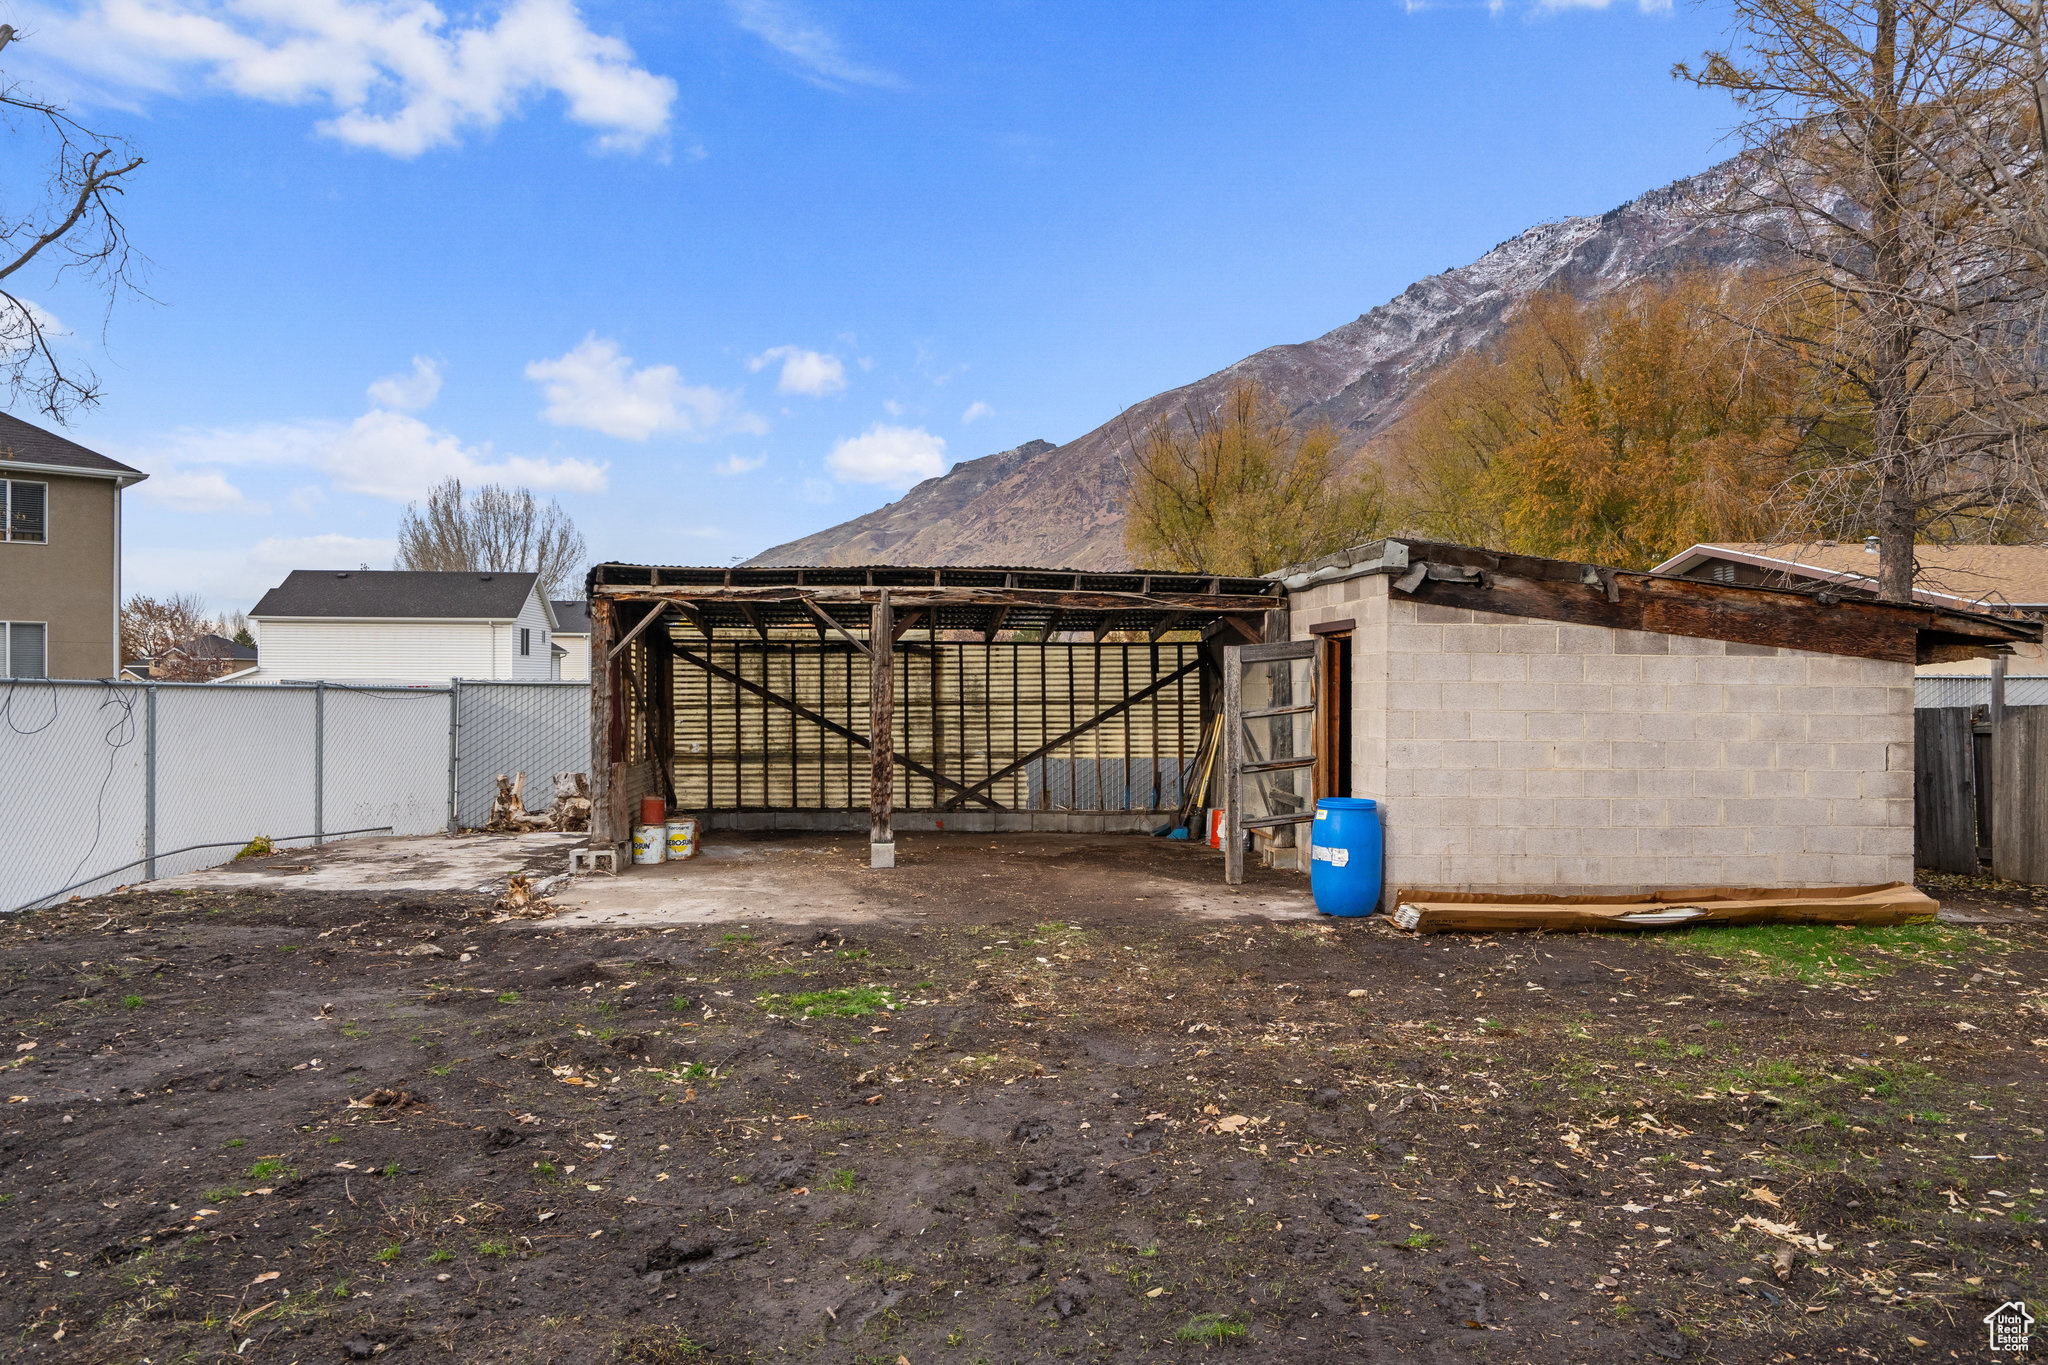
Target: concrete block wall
{"points": [[1513, 754]]}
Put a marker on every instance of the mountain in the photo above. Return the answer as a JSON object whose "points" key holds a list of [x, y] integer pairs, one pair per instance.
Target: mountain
{"points": [[1063, 505]]}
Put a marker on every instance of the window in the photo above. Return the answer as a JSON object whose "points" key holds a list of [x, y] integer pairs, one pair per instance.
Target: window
{"points": [[525, 641], [1724, 573], [22, 652], [24, 511]]}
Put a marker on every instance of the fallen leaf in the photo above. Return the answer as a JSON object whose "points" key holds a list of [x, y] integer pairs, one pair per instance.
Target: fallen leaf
{"points": [[267, 1276], [1154, 1293], [1236, 1123], [1764, 1195]]}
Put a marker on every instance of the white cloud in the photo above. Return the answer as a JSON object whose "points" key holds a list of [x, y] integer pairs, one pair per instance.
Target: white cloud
{"points": [[817, 490], [807, 43], [381, 454], [400, 76], [811, 373], [236, 577], [892, 407], [391, 455], [279, 555], [409, 392], [975, 412], [596, 388], [196, 491], [889, 455], [739, 464]]}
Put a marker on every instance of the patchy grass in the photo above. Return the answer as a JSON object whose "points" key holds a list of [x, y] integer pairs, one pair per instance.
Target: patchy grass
{"points": [[844, 1002], [1817, 953], [1210, 1329]]}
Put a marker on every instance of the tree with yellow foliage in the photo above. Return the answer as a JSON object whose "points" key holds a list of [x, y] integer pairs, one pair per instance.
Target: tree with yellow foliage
{"points": [[1243, 492], [1615, 432]]}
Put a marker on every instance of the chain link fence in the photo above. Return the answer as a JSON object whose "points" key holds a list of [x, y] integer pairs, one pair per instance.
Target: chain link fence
{"points": [[1974, 689], [103, 784], [538, 728]]}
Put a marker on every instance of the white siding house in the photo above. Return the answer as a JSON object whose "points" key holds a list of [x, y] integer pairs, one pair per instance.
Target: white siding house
{"points": [[572, 633], [372, 626]]}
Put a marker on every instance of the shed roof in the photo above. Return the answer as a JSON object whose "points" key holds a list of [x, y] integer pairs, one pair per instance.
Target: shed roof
{"points": [[397, 595], [1623, 599], [1968, 576], [984, 598], [25, 444]]}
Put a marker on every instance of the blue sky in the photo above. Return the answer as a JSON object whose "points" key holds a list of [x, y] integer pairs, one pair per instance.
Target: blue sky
{"points": [[717, 273]]}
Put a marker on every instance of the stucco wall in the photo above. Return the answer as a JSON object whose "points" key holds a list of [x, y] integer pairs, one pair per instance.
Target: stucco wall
{"points": [[1532, 755], [68, 582]]}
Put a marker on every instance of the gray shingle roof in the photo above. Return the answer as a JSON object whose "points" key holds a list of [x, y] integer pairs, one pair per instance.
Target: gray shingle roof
{"points": [[572, 618], [24, 443], [397, 594]]}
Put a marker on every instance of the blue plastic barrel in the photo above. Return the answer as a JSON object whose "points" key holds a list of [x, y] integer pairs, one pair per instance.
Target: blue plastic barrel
{"points": [[1344, 855]]}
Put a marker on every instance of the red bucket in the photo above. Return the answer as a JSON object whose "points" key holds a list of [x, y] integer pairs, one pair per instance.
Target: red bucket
{"points": [[653, 811]]}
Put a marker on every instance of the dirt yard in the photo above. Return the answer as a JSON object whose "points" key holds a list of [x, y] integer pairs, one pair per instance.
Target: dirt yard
{"points": [[1018, 1114]]}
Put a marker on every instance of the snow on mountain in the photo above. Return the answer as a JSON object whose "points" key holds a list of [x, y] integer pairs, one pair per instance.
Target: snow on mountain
{"points": [[1063, 505]]}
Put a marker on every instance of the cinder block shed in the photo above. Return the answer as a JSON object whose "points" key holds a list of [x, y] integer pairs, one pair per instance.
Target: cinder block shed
{"points": [[1533, 725]]}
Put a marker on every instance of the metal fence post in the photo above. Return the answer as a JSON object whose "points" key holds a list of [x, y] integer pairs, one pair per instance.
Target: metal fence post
{"points": [[149, 788], [319, 763], [454, 720]]}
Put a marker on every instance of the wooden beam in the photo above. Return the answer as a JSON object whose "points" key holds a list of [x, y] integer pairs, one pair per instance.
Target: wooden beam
{"points": [[602, 832], [1103, 628], [912, 598], [1042, 750], [826, 618], [753, 619], [909, 622], [1165, 625], [1051, 626], [881, 734], [993, 625], [642, 624], [694, 617], [1676, 606], [826, 723], [1240, 625]]}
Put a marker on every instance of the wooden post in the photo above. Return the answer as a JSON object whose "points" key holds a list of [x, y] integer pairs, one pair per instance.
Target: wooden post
{"points": [[1987, 775], [881, 735], [602, 834], [1233, 757]]}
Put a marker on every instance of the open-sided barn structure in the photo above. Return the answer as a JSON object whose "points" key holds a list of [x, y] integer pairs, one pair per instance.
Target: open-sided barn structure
{"points": [[829, 698], [1526, 724]]}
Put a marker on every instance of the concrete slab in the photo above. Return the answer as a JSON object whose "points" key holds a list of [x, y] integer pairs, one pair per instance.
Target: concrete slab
{"points": [[468, 862], [826, 879]]}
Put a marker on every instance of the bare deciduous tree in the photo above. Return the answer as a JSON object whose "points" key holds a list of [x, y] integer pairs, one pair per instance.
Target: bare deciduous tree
{"points": [[1906, 303], [493, 529], [70, 220]]}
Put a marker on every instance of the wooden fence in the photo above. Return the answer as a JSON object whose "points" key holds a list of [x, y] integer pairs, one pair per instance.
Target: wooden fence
{"points": [[1981, 789]]}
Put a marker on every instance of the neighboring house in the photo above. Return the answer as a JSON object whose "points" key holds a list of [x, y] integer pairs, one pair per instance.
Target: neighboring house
{"points": [[398, 626], [60, 555], [572, 633], [1993, 578], [199, 659]]}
